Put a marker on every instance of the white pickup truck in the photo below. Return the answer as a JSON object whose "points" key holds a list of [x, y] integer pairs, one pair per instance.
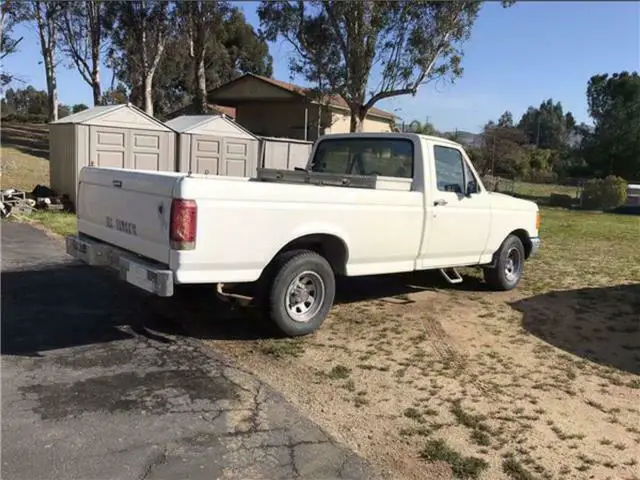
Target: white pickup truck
{"points": [[366, 204]]}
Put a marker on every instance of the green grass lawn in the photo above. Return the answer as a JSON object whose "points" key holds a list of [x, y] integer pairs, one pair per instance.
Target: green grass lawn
{"points": [[586, 249], [61, 223], [24, 171], [543, 189]]}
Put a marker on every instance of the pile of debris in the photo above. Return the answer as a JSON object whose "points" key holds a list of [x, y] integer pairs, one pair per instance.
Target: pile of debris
{"points": [[18, 202]]}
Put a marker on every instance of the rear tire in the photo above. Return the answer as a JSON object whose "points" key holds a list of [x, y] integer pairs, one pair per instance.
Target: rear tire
{"points": [[300, 290], [509, 265]]}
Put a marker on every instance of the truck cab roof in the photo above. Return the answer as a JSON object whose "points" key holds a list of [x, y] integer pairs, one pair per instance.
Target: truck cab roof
{"points": [[411, 136]]}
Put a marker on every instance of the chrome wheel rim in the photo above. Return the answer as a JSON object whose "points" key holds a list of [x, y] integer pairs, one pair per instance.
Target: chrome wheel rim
{"points": [[513, 265], [305, 296]]}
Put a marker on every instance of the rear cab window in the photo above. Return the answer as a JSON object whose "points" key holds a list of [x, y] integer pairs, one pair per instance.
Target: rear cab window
{"points": [[387, 157]]}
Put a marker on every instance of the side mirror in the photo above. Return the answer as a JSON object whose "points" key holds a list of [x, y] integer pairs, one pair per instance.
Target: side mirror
{"points": [[472, 187]]}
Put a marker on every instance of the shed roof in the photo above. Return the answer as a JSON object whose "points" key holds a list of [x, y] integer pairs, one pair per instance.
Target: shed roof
{"points": [[86, 116], [189, 123], [333, 100], [185, 123]]}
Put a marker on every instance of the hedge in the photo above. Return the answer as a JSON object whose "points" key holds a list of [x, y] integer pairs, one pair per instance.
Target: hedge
{"points": [[604, 194]]}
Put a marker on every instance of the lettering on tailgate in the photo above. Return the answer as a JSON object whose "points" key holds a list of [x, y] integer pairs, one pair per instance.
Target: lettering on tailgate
{"points": [[122, 226]]}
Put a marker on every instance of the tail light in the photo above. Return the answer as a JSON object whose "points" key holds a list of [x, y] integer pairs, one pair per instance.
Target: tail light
{"points": [[538, 220], [184, 216]]}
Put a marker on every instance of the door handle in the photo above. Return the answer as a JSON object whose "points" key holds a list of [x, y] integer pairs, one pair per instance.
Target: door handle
{"points": [[440, 202]]}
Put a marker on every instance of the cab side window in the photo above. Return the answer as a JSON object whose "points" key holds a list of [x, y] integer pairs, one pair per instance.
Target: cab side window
{"points": [[449, 169], [473, 186]]}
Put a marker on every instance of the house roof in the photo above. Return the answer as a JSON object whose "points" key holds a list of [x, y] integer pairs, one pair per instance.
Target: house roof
{"points": [[211, 109], [228, 111], [333, 100], [92, 113]]}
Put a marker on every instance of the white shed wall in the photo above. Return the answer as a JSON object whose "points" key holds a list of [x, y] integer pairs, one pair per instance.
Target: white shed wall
{"points": [[285, 153]]}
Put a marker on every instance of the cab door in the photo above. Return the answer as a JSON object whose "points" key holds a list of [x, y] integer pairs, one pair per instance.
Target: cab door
{"points": [[459, 213]]}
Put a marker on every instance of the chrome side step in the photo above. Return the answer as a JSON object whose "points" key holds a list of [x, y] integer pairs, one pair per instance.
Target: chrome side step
{"points": [[451, 275]]}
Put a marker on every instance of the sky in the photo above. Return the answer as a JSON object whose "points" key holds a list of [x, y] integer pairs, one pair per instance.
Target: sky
{"points": [[516, 57]]}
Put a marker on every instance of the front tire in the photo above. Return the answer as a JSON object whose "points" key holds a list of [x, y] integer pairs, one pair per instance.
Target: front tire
{"points": [[302, 292], [509, 265]]}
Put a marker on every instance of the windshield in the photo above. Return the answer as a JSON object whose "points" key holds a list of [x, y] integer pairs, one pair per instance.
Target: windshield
{"points": [[391, 157]]}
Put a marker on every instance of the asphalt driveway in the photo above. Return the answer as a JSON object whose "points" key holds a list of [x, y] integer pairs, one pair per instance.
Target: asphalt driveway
{"points": [[96, 386]]}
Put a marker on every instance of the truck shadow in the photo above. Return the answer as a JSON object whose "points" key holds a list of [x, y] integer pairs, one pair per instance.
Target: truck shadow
{"points": [[71, 305], [601, 325], [398, 286], [61, 306], [204, 316]]}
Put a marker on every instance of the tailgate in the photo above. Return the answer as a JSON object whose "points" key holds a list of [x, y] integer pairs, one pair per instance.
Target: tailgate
{"points": [[129, 209]]}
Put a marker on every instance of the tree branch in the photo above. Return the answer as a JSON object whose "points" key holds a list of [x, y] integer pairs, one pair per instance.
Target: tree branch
{"points": [[414, 87], [8, 50], [336, 28], [71, 43]]}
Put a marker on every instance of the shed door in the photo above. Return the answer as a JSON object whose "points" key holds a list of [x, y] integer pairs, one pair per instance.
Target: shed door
{"points": [[205, 154], [108, 147], [235, 158], [145, 149]]}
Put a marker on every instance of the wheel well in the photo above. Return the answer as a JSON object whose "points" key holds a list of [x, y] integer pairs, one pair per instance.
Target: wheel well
{"points": [[329, 246], [525, 239]]}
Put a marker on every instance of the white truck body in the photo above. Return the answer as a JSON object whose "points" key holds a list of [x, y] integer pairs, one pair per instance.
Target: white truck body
{"points": [[402, 224]]}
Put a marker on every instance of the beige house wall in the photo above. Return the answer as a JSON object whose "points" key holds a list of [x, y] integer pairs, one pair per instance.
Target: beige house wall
{"points": [[341, 123], [280, 119], [276, 119]]}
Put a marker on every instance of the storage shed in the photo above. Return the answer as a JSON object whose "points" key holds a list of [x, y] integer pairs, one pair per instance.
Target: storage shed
{"points": [[214, 145], [284, 153], [121, 136]]}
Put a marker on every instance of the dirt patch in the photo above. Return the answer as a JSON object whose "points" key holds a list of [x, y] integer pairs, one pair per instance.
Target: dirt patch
{"points": [[541, 382], [459, 367]]}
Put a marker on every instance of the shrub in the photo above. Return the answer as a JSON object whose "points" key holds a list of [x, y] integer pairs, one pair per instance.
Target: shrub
{"points": [[560, 200], [604, 194], [543, 177], [20, 118]]}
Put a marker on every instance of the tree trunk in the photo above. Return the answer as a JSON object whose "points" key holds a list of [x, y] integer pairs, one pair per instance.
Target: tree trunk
{"points": [[95, 10], [45, 21], [357, 119], [95, 86], [148, 94], [200, 102], [52, 87]]}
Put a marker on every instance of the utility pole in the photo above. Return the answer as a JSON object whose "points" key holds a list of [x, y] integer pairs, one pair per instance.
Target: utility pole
{"points": [[493, 157]]}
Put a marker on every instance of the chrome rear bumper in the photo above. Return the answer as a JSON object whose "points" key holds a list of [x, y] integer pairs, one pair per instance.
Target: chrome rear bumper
{"points": [[149, 276]]}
